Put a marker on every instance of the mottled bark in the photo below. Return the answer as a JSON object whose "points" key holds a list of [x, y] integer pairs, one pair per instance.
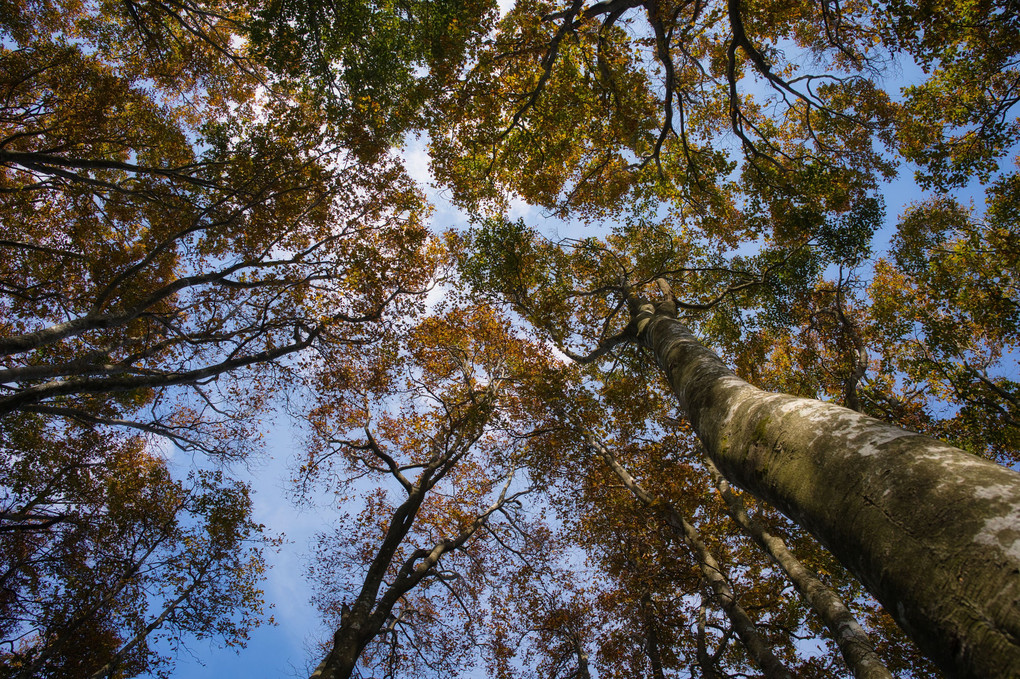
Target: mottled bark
{"points": [[932, 531], [854, 643], [582, 660]]}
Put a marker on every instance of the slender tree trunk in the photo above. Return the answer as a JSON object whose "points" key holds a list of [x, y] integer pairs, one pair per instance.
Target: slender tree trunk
{"points": [[853, 641], [651, 637], [705, 661], [143, 634], [932, 531], [714, 574], [363, 621]]}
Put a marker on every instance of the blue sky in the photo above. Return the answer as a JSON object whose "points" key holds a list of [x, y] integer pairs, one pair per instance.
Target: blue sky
{"points": [[281, 650]]}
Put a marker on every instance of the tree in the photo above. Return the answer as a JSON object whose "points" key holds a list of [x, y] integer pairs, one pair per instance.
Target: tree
{"points": [[823, 478], [102, 552], [618, 101], [647, 545], [543, 617], [582, 123], [959, 274], [191, 264], [375, 69], [863, 487], [437, 476]]}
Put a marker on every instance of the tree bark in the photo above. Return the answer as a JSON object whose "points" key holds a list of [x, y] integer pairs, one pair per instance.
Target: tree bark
{"points": [[356, 630], [931, 530]]}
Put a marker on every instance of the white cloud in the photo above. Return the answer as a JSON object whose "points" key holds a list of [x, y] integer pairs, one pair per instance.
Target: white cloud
{"points": [[416, 160]]}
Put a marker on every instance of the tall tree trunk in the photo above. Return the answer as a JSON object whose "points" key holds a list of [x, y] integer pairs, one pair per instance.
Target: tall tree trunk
{"points": [[356, 630], [582, 660], [932, 531]]}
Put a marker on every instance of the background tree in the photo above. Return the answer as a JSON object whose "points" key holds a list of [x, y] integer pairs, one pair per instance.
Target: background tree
{"points": [[950, 341], [544, 616], [99, 553], [375, 69], [435, 472], [627, 608], [209, 256], [177, 221]]}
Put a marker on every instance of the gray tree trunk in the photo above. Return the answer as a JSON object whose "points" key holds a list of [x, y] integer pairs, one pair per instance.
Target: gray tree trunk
{"points": [[932, 531]]}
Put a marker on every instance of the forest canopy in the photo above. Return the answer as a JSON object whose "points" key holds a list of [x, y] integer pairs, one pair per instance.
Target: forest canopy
{"points": [[745, 421]]}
